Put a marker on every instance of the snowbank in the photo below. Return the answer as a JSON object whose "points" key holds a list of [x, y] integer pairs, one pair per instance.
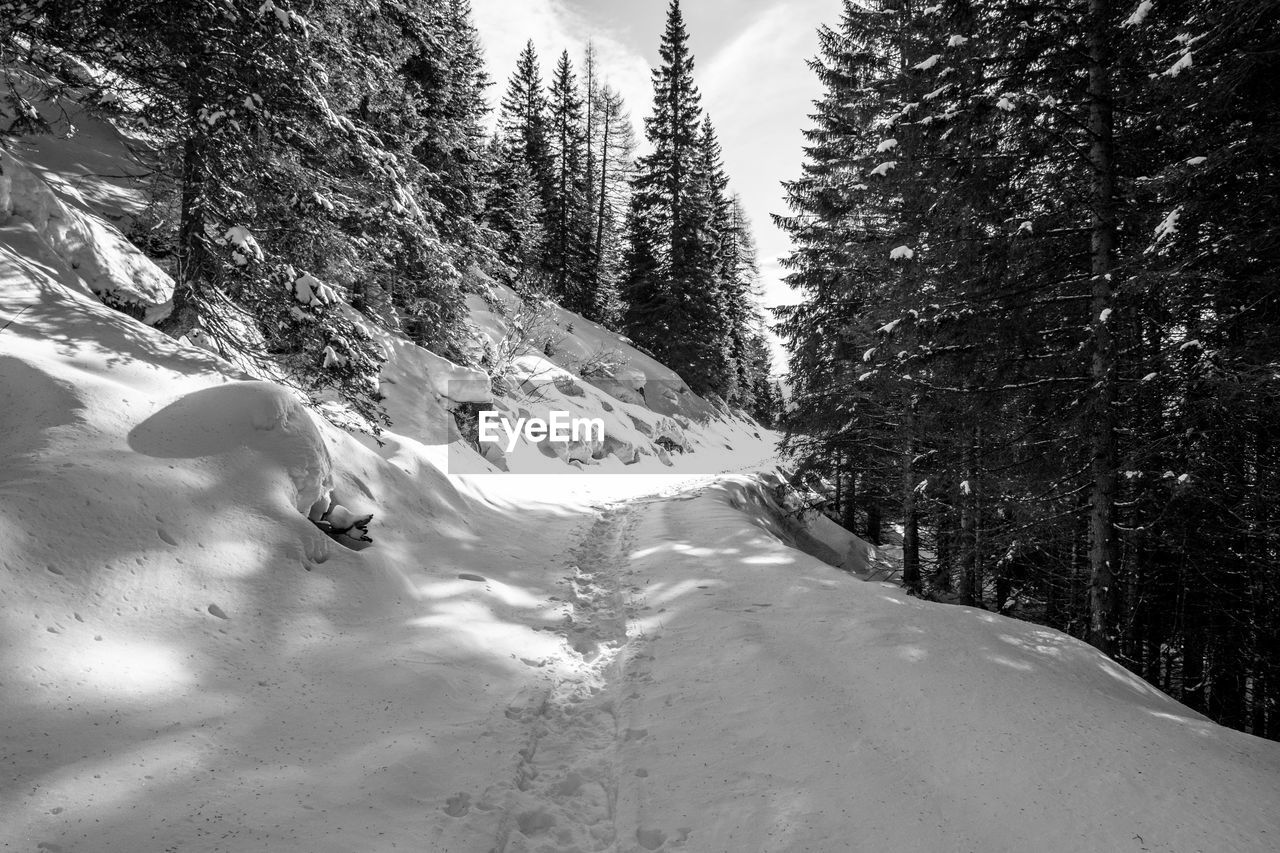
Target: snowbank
{"points": [[776, 705], [80, 245]]}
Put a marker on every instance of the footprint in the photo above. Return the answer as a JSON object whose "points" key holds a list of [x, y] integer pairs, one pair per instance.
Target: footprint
{"points": [[458, 805], [215, 610], [166, 536], [568, 786], [651, 839], [535, 822], [316, 549]]}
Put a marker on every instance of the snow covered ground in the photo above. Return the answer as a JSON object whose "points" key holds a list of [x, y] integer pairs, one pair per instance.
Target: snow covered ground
{"points": [[539, 662]]}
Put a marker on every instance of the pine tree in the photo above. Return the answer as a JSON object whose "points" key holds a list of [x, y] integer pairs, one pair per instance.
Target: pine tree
{"points": [[568, 219], [523, 127], [675, 301], [513, 210]]}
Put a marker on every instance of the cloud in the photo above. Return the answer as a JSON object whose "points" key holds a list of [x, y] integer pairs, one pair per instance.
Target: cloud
{"points": [[762, 62], [759, 92]]}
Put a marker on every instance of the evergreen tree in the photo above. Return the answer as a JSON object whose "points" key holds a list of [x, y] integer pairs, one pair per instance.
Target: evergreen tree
{"points": [[513, 210], [568, 219], [675, 301], [523, 127]]}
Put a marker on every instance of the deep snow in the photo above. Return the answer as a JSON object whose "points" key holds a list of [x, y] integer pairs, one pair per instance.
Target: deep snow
{"points": [[522, 662]]}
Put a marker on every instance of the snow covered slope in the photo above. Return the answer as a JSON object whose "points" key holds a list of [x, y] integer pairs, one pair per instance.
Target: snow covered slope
{"points": [[187, 661], [528, 662]]}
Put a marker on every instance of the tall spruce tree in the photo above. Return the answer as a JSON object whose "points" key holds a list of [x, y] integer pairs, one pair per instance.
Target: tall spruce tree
{"points": [[674, 300], [523, 125], [568, 219]]}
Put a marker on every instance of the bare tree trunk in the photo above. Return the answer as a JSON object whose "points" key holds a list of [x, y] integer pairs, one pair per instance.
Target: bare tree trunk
{"points": [[602, 202], [589, 72], [1102, 545]]}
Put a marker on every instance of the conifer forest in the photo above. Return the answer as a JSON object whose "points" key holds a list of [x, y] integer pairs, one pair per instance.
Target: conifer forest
{"points": [[1038, 248]]}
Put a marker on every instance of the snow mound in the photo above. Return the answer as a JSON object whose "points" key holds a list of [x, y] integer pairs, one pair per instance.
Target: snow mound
{"points": [[262, 416], [84, 247]]}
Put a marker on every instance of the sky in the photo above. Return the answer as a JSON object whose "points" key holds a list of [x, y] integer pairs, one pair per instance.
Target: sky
{"points": [[750, 60]]}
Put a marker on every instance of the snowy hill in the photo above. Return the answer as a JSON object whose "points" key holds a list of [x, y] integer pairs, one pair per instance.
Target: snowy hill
{"points": [[538, 661]]}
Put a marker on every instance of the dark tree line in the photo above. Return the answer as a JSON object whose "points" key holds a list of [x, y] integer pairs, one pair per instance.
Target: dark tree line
{"points": [[315, 157], [1037, 245]]}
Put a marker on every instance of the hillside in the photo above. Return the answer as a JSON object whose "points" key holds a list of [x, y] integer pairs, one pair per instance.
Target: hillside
{"points": [[528, 657]]}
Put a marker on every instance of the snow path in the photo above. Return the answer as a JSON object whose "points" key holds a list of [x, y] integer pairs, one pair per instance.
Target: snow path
{"points": [[583, 744], [566, 781]]}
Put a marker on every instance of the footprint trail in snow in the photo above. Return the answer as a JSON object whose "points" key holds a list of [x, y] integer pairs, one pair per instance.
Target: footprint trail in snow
{"points": [[565, 792]]}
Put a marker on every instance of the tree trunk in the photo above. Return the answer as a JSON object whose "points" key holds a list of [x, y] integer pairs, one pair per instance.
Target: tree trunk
{"points": [[1192, 692], [1226, 676], [1152, 618], [943, 536], [192, 250], [910, 523], [970, 568], [1102, 546], [602, 201], [849, 503], [875, 533]]}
